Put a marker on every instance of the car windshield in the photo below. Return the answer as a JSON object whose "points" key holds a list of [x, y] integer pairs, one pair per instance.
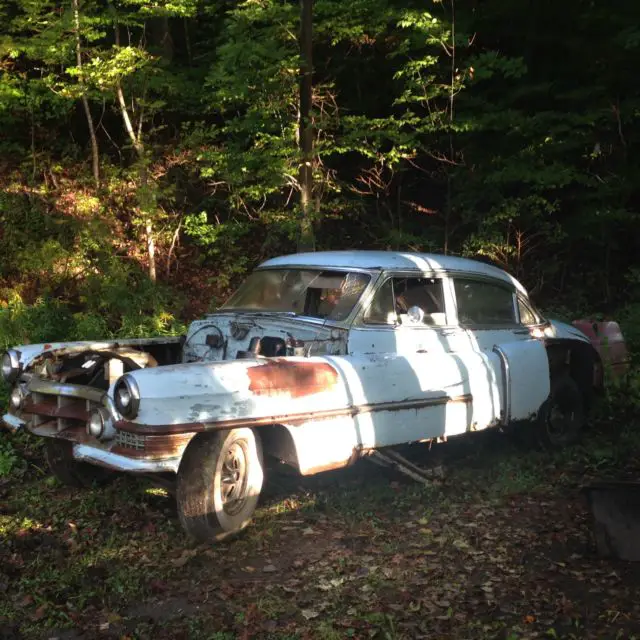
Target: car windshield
{"points": [[329, 295]]}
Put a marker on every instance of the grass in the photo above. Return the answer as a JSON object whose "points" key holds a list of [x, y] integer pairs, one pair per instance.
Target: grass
{"points": [[499, 548]]}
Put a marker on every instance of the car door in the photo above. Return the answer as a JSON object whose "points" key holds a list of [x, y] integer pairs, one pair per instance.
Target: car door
{"points": [[493, 316], [406, 384]]}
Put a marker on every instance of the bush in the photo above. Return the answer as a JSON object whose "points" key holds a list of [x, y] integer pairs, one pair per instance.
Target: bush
{"points": [[123, 304], [9, 459]]}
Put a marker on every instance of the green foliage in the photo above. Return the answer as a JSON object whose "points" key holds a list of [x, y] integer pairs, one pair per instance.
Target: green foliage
{"points": [[437, 126], [9, 459]]}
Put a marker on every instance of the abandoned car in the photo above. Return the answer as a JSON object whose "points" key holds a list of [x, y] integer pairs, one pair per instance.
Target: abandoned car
{"points": [[317, 360]]}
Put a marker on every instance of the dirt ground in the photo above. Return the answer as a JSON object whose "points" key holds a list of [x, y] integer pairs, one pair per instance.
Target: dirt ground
{"points": [[502, 547]]}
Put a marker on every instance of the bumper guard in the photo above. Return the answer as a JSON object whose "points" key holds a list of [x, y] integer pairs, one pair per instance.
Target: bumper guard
{"points": [[104, 458], [11, 422]]}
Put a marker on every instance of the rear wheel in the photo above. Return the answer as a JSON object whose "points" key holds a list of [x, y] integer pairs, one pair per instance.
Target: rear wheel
{"points": [[219, 483], [564, 415], [70, 472]]}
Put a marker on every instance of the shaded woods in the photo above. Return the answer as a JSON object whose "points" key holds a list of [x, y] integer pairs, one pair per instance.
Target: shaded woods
{"points": [[161, 142]]}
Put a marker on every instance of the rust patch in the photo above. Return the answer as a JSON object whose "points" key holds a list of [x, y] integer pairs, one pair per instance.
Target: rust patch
{"points": [[183, 427], [321, 468], [76, 434], [156, 447], [51, 410], [292, 379]]}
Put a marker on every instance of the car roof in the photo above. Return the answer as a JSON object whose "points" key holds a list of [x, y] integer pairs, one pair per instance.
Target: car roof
{"points": [[391, 260]]}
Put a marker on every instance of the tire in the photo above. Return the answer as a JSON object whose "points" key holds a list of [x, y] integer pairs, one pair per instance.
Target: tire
{"points": [[219, 483], [563, 417], [70, 472]]}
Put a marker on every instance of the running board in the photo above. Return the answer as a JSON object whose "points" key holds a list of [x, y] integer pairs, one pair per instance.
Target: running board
{"points": [[390, 458]]}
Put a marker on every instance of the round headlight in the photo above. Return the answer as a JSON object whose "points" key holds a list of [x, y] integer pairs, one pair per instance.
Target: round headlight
{"points": [[16, 399], [96, 422], [124, 397], [127, 396], [10, 366]]}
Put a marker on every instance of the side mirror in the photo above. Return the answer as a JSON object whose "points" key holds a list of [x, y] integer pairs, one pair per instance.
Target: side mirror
{"points": [[415, 315]]}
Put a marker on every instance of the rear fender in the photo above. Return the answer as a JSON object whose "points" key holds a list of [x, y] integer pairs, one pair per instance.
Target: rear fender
{"points": [[580, 360]]}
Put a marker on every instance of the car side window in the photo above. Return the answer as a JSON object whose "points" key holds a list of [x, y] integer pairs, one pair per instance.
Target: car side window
{"points": [[381, 310], [527, 314], [484, 303], [397, 295]]}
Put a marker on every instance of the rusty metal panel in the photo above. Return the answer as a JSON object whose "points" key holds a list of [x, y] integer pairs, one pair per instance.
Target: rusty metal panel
{"points": [[51, 409], [293, 379], [153, 447]]}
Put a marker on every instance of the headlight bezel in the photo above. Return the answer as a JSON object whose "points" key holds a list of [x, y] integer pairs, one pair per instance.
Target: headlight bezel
{"points": [[11, 358], [104, 418], [127, 384], [16, 394]]}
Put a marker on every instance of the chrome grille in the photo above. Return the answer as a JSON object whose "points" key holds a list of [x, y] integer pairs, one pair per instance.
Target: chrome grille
{"points": [[130, 440]]}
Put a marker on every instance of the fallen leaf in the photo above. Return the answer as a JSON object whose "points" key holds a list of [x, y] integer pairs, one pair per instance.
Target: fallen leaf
{"points": [[309, 614], [27, 600], [187, 554], [40, 611]]}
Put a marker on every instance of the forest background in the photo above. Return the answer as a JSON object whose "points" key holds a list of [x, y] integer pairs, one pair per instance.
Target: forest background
{"points": [[151, 152]]}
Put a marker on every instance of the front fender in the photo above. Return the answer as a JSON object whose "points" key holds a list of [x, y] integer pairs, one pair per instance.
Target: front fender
{"points": [[199, 395]]}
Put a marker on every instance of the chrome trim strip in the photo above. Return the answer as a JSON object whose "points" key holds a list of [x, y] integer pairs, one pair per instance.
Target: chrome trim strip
{"points": [[51, 387], [13, 423], [104, 458], [506, 383], [290, 419]]}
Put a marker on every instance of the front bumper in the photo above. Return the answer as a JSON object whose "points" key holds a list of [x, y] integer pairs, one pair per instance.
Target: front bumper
{"points": [[103, 457], [117, 462]]}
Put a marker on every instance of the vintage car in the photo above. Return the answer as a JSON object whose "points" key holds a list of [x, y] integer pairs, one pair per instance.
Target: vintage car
{"points": [[317, 360]]}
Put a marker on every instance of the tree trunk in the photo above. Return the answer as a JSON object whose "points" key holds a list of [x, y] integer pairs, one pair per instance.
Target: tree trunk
{"points": [[95, 154], [306, 239], [162, 36], [452, 95], [146, 198], [151, 250]]}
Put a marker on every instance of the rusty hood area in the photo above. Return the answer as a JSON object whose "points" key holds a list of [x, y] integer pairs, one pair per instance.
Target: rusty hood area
{"points": [[31, 354]]}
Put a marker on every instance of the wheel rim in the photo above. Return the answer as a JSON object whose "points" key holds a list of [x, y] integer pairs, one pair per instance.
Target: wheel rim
{"points": [[233, 480], [561, 422]]}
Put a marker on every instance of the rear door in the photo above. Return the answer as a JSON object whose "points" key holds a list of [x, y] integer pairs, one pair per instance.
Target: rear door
{"points": [[492, 316]]}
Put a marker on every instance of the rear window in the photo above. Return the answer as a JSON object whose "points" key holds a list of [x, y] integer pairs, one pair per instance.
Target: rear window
{"points": [[484, 303]]}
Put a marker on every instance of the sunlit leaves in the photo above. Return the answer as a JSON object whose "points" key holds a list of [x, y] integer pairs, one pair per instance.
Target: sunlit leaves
{"points": [[109, 68]]}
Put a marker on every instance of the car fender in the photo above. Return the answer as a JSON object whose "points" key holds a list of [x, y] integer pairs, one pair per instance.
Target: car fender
{"points": [[245, 392]]}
